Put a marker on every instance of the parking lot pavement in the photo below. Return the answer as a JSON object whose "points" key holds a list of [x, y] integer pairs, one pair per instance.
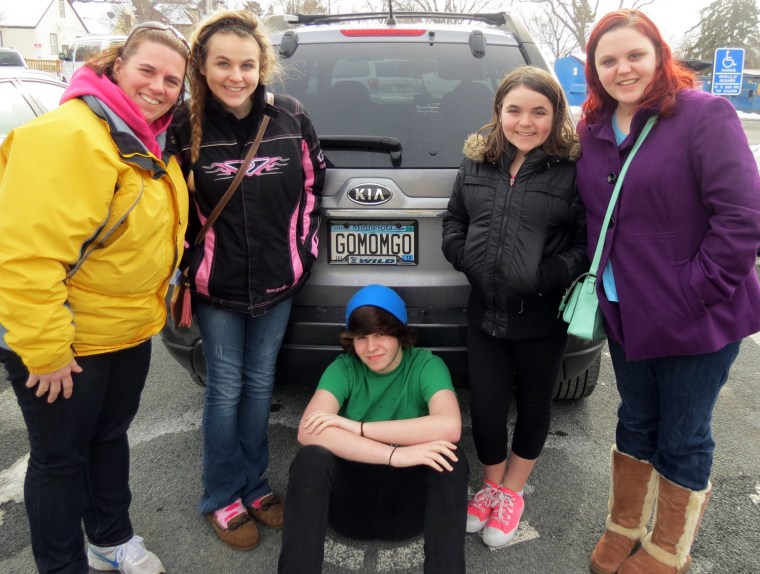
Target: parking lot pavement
{"points": [[566, 500]]}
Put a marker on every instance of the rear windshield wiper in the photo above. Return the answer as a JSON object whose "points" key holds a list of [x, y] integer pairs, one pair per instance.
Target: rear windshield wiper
{"points": [[383, 144]]}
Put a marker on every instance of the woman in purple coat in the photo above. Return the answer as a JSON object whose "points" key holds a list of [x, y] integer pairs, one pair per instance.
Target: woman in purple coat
{"points": [[679, 289]]}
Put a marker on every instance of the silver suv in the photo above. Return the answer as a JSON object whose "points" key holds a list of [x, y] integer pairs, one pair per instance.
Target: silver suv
{"points": [[393, 150]]}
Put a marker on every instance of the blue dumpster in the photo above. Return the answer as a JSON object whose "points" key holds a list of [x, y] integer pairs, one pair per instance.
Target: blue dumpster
{"points": [[571, 75]]}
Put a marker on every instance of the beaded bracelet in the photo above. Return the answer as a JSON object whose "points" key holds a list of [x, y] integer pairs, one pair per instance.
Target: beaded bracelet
{"points": [[391, 455]]}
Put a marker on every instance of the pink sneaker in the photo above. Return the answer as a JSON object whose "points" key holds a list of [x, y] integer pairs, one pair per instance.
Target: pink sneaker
{"points": [[505, 518], [480, 506]]}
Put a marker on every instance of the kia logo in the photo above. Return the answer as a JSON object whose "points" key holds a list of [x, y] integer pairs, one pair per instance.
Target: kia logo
{"points": [[369, 194]]}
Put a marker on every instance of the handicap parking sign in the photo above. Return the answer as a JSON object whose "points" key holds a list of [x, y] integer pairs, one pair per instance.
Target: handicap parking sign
{"points": [[728, 67]]}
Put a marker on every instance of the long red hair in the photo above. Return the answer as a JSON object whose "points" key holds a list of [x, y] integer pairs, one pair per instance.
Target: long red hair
{"points": [[670, 75]]}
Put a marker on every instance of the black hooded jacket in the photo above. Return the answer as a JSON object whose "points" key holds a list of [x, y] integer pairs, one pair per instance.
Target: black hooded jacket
{"points": [[520, 245]]}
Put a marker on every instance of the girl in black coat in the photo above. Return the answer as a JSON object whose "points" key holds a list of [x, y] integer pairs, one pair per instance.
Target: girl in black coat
{"points": [[516, 228]]}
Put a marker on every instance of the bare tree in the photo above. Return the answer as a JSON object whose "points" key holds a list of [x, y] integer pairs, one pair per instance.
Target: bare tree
{"points": [[577, 16], [254, 6], [459, 6], [304, 7], [550, 34], [144, 10]]}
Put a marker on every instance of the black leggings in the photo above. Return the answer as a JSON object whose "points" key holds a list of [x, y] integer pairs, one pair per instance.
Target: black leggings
{"points": [[372, 501], [499, 370]]}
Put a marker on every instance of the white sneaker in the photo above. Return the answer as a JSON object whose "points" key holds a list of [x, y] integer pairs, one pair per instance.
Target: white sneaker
{"points": [[128, 558]]}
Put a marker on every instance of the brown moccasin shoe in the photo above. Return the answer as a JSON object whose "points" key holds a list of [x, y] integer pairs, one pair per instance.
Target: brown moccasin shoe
{"points": [[271, 511], [241, 532]]}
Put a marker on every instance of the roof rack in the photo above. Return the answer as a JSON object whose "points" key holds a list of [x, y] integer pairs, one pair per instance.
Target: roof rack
{"points": [[504, 21], [284, 21]]}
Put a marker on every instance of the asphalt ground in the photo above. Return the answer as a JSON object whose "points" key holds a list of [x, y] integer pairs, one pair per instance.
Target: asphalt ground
{"points": [[566, 499]]}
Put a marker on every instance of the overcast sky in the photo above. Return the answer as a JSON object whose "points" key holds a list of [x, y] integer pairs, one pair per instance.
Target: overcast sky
{"points": [[674, 17]]}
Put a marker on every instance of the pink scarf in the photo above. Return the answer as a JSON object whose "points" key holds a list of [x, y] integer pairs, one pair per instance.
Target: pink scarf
{"points": [[86, 82]]}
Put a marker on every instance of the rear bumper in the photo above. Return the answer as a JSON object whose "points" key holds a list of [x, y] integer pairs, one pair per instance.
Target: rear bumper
{"points": [[311, 343]]}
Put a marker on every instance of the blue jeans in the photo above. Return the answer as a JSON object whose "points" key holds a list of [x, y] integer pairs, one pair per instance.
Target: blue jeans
{"points": [[241, 353], [78, 469], [666, 409]]}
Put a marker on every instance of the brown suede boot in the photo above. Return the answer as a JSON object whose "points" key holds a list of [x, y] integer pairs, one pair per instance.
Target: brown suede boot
{"points": [[633, 484], [677, 518]]}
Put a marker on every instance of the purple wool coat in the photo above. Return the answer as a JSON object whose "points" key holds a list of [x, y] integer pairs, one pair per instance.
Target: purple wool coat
{"points": [[685, 230]]}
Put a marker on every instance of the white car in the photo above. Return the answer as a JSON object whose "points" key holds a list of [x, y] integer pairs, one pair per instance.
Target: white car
{"points": [[84, 48], [24, 95]]}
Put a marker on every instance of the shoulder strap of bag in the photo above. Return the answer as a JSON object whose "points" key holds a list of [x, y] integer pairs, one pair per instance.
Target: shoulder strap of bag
{"points": [[615, 192], [238, 177]]}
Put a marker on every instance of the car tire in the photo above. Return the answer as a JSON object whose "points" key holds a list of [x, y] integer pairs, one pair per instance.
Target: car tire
{"points": [[578, 387]]}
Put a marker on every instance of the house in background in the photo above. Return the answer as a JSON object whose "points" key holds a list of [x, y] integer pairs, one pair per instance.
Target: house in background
{"points": [[40, 29]]}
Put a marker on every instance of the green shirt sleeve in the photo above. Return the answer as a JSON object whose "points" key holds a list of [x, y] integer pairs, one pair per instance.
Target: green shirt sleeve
{"points": [[434, 377], [338, 377]]}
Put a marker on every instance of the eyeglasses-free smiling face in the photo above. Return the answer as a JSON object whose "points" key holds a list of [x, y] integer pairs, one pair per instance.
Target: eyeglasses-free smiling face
{"points": [[381, 353], [152, 78], [626, 62], [526, 118], [231, 69]]}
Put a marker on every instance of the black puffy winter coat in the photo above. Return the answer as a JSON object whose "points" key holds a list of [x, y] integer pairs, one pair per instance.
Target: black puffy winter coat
{"points": [[520, 245]]}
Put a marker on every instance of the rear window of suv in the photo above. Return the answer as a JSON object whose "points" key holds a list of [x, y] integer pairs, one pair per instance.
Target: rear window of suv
{"points": [[9, 57], [427, 96]]}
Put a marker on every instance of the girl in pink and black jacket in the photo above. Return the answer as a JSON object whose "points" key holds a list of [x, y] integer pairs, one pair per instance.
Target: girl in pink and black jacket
{"points": [[252, 260]]}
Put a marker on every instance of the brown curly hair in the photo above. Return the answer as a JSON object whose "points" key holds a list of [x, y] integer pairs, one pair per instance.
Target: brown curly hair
{"points": [[242, 23], [562, 138]]}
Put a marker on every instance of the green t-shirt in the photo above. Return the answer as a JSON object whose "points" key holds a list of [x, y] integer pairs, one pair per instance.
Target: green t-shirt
{"points": [[404, 393]]}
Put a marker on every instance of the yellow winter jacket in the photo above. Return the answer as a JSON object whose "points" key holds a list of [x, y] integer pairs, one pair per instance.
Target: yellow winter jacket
{"points": [[90, 235]]}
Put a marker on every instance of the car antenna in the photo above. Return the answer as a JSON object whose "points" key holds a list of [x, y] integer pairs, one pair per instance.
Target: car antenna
{"points": [[391, 21]]}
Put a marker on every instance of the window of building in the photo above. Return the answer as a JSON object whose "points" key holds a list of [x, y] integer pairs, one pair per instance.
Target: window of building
{"points": [[54, 44], [62, 8]]}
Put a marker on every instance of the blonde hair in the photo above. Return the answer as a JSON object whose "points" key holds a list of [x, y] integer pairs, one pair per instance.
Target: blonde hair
{"points": [[242, 23], [562, 138], [103, 62]]}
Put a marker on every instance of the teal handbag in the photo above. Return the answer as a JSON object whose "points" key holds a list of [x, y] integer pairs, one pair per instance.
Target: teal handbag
{"points": [[579, 307]]}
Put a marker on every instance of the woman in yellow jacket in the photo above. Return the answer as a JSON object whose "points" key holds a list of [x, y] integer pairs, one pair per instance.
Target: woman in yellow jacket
{"points": [[94, 209]]}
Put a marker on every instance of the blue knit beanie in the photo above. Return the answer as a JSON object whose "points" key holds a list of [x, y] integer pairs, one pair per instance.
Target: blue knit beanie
{"points": [[378, 296]]}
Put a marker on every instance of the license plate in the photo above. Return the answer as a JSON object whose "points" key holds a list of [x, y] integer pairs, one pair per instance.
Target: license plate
{"points": [[373, 243]]}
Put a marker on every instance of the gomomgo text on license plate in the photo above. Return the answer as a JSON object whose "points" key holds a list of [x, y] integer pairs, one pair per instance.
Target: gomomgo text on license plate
{"points": [[373, 243]]}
